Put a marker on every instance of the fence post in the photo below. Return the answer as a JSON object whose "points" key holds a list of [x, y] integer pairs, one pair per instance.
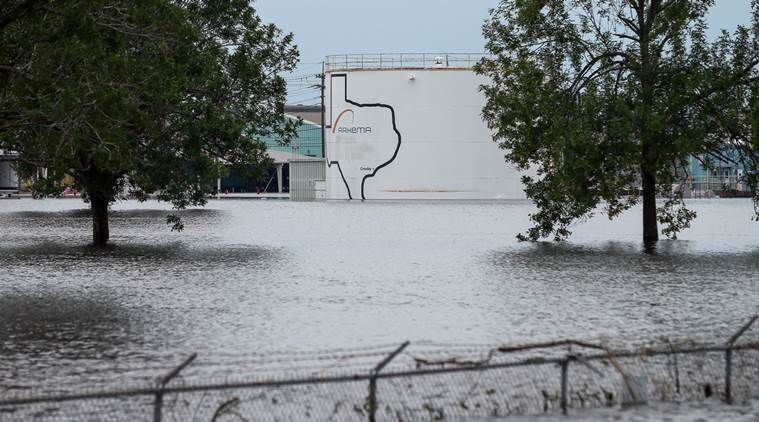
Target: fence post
{"points": [[729, 358], [677, 367], [728, 375], [372, 399], [158, 405], [564, 376]]}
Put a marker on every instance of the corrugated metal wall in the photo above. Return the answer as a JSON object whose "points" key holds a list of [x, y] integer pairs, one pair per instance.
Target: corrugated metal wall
{"points": [[304, 178]]}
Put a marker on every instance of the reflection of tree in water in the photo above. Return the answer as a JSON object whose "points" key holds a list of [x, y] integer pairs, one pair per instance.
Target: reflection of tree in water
{"points": [[51, 318], [35, 227], [622, 257], [615, 288], [170, 254], [77, 313], [50, 337]]}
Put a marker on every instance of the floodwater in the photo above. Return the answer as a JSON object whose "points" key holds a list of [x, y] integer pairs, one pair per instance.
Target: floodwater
{"points": [[267, 275]]}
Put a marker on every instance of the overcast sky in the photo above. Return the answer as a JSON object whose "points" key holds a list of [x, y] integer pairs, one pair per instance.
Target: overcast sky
{"points": [[324, 27]]}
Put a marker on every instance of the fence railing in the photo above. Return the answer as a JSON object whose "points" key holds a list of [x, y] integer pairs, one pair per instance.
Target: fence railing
{"points": [[407, 383], [703, 184], [401, 60]]}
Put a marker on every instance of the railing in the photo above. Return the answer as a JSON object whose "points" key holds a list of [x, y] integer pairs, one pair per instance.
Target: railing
{"points": [[402, 61], [710, 185], [404, 382]]}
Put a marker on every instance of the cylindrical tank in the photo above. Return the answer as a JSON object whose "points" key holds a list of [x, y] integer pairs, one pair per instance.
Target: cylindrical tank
{"points": [[411, 128]]}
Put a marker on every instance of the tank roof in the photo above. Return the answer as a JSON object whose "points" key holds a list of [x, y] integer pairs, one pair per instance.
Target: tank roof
{"points": [[390, 61]]}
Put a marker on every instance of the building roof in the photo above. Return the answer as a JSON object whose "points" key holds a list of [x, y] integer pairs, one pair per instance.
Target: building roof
{"points": [[300, 108], [8, 155], [281, 157], [307, 142]]}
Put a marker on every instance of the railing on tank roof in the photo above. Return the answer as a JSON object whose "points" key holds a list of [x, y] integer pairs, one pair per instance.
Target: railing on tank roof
{"points": [[402, 60]]}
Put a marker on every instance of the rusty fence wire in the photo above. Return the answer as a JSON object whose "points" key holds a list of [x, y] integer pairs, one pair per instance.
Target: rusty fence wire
{"points": [[423, 381]]}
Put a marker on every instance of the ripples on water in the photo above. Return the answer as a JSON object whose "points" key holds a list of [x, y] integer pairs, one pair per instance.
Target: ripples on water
{"points": [[252, 276]]}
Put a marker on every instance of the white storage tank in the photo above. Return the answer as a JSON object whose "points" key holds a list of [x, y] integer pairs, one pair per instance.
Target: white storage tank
{"points": [[409, 126]]}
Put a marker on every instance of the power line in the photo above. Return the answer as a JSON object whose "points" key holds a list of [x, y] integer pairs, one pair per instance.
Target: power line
{"points": [[303, 87], [302, 76], [303, 96], [307, 101]]}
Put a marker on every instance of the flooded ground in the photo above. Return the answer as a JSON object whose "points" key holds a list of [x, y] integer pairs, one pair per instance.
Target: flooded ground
{"points": [[260, 276]]}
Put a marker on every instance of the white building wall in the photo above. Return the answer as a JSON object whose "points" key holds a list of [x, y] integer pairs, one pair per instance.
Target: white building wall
{"points": [[305, 177], [446, 150], [8, 176]]}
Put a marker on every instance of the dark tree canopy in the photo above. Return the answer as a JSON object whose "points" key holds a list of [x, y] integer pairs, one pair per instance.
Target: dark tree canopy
{"points": [[604, 96], [142, 96]]}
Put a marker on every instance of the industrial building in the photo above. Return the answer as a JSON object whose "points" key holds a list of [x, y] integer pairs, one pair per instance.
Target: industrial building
{"points": [[724, 177], [306, 145], [409, 126], [307, 142], [9, 180], [311, 114]]}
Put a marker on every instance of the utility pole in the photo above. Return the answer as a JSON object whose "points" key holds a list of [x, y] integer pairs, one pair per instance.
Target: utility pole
{"points": [[324, 151]]}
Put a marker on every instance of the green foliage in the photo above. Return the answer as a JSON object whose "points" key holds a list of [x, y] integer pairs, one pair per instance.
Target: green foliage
{"points": [[594, 94], [155, 96], [674, 216]]}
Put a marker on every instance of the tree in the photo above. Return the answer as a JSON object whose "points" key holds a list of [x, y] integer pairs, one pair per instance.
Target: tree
{"points": [[146, 96], [603, 96]]}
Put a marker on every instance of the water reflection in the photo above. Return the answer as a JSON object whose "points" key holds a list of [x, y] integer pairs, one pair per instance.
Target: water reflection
{"points": [[73, 313], [65, 335], [173, 251], [85, 314], [627, 257], [616, 289], [54, 317]]}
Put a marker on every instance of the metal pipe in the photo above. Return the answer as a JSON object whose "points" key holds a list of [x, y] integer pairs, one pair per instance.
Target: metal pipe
{"points": [[324, 154]]}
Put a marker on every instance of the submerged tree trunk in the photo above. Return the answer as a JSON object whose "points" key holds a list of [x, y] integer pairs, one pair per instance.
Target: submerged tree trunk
{"points": [[650, 227], [99, 207]]}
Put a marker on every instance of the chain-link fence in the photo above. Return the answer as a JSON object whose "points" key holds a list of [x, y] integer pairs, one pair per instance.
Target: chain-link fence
{"points": [[423, 381]]}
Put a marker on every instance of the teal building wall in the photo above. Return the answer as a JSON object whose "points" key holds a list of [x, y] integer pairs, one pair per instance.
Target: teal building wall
{"points": [[307, 142]]}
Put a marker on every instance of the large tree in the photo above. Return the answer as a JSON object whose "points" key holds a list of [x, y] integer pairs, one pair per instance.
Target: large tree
{"points": [[139, 96], [604, 96]]}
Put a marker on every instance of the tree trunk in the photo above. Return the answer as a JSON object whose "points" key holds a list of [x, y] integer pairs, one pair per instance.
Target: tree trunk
{"points": [[650, 226], [99, 207], [649, 157]]}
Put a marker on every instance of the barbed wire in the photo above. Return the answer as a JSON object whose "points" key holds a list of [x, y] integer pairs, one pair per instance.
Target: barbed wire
{"points": [[424, 380]]}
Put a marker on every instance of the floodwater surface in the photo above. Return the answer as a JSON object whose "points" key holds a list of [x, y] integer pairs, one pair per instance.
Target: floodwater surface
{"points": [[267, 275]]}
